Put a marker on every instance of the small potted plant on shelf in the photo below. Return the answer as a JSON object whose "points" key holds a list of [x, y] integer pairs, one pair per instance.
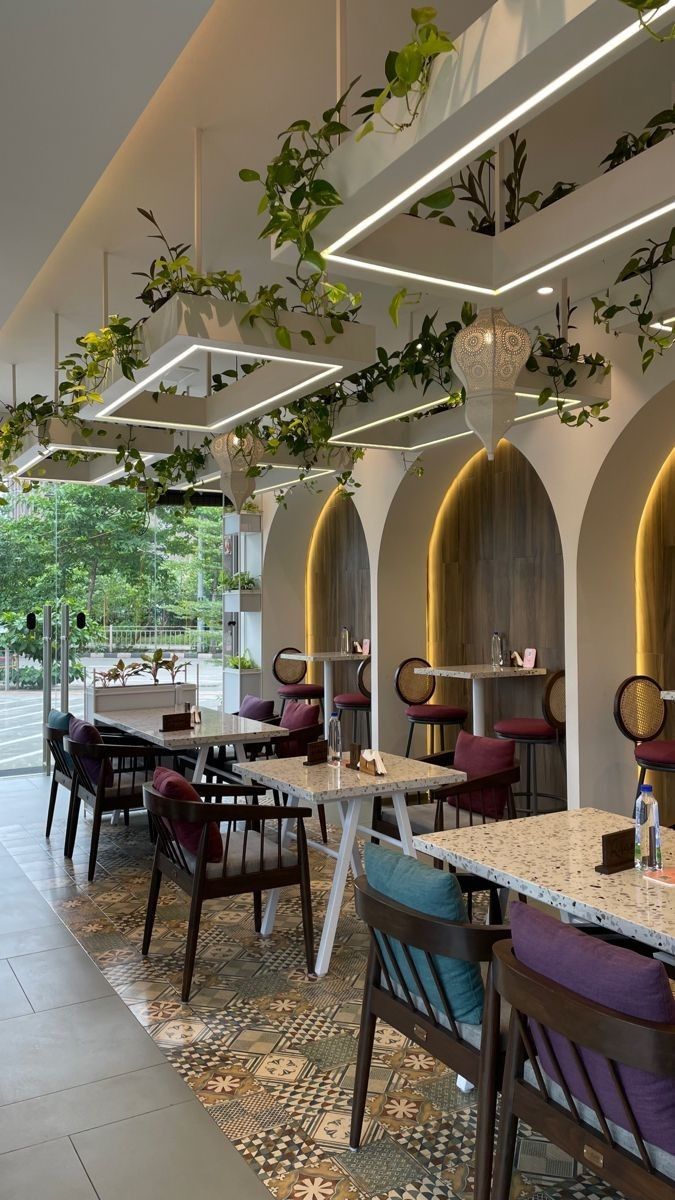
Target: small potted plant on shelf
{"points": [[241, 662]]}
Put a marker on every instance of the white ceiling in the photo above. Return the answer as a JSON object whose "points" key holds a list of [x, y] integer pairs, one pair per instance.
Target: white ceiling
{"points": [[75, 77]]}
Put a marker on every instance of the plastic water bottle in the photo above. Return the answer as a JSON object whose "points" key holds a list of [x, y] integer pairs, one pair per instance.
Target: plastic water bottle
{"points": [[334, 741], [496, 650], [345, 640], [647, 831]]}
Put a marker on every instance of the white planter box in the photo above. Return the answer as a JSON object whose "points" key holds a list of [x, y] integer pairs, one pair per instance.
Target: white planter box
{"points": [[248, 601], [141, 695], [237, 684], [246, 522]]}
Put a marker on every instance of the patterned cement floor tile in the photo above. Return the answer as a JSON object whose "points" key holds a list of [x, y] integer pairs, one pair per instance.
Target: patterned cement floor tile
{"points": [[252, 1111], [328, 1054], [279, 1149], [380, 1166]]}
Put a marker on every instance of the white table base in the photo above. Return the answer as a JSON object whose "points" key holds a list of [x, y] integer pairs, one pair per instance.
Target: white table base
{"points": [[327, 694], [478, 705], [348, 855]]}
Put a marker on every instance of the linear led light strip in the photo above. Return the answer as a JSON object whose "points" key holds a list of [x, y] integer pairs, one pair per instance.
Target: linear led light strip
{"points": [[273, 487], [338, 438], [507, 287], [451, 437], [489, 135], [327, 369]]}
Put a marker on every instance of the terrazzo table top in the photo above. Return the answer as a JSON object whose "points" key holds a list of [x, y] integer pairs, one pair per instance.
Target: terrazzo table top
{"points": [[323, 782], [670, 695], [478, 671], [216, 728], [552, 858], [326, 656]]}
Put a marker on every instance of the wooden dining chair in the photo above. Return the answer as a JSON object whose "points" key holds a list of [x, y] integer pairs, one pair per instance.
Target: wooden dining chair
{"points": [[357, 703], [108, 777], [546, 730], [56, 729], [576, 1071], [209, 864], [404, 987]]}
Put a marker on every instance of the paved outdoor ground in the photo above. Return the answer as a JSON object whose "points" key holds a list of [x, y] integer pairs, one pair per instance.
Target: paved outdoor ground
{"points": [[21, 714]]}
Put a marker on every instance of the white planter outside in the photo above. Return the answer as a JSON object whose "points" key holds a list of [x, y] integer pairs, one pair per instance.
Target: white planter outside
{"points": [[246, 601], [140, 695], [237, 684]]}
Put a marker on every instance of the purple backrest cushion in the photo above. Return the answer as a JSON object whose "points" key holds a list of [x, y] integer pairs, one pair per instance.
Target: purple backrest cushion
{"points": [[84, 732], [616, 978], [300, 719], [175, 787], [481, 756], [256, 709]]}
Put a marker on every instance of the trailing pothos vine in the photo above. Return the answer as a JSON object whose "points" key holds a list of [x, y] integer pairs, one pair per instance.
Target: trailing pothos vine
{"points": [[653, 337]]}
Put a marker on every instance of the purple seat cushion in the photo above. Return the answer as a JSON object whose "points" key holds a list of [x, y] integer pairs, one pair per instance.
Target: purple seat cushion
{"points": [[351, 700], [482, 756], [302, 720], [615, 978], [439, 713], [525, 728], [256, 709], [301, 691], [661, 754], [87, 734], [175, 787]]}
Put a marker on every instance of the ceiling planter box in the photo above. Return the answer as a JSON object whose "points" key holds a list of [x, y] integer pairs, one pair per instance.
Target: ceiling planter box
{"points": [[188, 328]]}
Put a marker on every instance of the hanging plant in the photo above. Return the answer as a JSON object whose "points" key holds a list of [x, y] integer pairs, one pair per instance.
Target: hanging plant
{"points": [[629, 145], [407, 73], [646, 11], [641, 266], [563, 361]]}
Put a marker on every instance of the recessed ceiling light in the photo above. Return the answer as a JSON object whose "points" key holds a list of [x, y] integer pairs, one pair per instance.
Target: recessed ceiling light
{"points": [[545, 291]]}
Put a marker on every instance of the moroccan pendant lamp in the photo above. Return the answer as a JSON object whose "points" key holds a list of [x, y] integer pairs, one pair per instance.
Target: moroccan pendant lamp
{"points": [[235, 456], [488, 357]]}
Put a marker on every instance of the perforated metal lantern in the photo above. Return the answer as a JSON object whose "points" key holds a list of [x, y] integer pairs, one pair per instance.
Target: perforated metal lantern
{"points": [[234, 456], [488, 357]]}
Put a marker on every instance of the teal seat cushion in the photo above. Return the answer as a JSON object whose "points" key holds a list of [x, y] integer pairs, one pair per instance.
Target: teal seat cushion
{"points": [[437, 894], [59, 720]]}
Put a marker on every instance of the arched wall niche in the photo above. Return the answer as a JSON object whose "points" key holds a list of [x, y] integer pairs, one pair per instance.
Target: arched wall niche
{"points": [[337, 585], [655, 607], [605, 600], [495, 562]]}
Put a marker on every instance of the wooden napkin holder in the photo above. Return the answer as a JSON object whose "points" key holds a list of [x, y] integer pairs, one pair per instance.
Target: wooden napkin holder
{"points": [[618, 852], [175, 722], [317, 753], [367, 766]]}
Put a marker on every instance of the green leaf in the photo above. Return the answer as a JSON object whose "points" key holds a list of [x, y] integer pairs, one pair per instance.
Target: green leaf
{"points": [[364, 130], [396, 302], [283, 337], [421, 16], [409, 63], [248, 176], [440, 199]]}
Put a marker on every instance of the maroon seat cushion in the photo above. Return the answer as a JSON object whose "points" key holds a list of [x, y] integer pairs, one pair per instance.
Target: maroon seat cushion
{"points": [[525, 728], [615, 978], [88, 734], [351, 700], [302, 720], [301, 691], [661, 754], [482, 756], [256, 709], [175, 787], [436, 713]]}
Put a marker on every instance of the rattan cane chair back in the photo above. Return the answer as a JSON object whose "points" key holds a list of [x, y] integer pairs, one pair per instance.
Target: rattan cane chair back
{"points": [[412, 688], [553, 702], [639, 711], [363, 678], [288, 671]]}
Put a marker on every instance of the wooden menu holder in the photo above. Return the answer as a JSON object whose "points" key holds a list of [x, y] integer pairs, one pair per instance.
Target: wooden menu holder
{"points": [[618, 852], [174, 722]]}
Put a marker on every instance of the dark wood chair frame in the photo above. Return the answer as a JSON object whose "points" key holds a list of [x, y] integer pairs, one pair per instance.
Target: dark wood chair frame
{"points": [[124, 758], [170, 859], [387, 997], [619, 1040], [469, 884], [301, 666], [62, 773], [631, 733]]}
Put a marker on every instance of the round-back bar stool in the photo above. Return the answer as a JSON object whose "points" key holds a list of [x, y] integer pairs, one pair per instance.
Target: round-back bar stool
{"points": [[416, 691], [640, 714], [357, 703], [531, 732], [289, 673]]}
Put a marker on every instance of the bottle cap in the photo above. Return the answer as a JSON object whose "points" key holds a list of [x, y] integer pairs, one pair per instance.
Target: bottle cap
{"points": [[646, 787], [334, 713]]}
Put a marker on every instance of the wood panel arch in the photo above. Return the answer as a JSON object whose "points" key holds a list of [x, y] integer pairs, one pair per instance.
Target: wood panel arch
{"points": [[337, 585], [655, 607], [495, 562]]}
